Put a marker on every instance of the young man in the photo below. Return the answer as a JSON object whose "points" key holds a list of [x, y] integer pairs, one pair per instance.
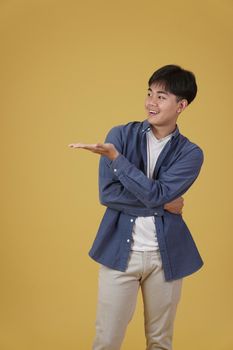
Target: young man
{"points": [[143, 241]]}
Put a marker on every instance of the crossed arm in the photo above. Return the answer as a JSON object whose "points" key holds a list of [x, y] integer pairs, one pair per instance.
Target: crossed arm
{"points": [[109, 151]]}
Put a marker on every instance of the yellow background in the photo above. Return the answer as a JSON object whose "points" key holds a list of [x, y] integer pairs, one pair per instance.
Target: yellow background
{"points": [[69, 71]]}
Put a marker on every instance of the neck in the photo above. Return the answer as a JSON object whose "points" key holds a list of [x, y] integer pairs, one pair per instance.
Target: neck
{"points": [[161, 132]]}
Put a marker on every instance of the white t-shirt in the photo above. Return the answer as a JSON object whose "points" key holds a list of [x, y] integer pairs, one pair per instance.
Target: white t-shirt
{"points": [[144, 231]]}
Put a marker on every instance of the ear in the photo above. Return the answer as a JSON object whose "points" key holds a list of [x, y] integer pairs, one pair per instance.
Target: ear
{"points": [[182, 104]]}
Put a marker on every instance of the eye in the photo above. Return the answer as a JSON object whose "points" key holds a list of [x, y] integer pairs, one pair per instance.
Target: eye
{"points": [[149, 93], [161, 97]]}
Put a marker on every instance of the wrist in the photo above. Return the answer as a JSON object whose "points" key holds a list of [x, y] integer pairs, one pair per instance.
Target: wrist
{"points": [[114, 155]]}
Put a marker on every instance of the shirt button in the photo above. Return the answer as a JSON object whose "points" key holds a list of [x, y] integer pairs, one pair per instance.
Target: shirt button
{"points": [[131, 220], [115, 170], [156, 214], [128, 240]]}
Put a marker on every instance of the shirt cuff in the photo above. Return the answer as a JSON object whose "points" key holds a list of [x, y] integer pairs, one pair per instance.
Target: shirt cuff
{"points": [[119, 164]]}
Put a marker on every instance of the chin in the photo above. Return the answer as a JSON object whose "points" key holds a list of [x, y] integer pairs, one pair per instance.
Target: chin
{"points": [[152, 120]]}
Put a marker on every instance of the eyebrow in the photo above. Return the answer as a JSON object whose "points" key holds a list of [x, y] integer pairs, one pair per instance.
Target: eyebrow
{"points": [[159, 92]]}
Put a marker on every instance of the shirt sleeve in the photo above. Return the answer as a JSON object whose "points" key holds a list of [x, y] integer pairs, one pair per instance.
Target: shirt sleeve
{"points": [[113, 193], [172, 183]]}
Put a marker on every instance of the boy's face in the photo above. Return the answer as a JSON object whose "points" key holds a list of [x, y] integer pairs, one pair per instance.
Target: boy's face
{"points": [[162, 106]]}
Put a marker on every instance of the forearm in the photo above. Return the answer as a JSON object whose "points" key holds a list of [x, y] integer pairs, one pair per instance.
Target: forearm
{"points": [[169, 186], [135, 211], [113, 195]]}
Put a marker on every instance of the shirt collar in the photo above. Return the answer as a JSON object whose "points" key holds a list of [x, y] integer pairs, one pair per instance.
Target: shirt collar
{"points": [[147, 127]]}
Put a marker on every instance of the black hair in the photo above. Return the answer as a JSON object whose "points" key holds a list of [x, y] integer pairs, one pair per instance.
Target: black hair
{"points": [[176, 80]]}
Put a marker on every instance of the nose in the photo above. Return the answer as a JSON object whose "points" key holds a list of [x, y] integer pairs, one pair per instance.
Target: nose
{"points": [[153, 100]]}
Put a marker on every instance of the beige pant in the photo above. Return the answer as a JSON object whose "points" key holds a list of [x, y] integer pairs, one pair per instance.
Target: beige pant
{"points": [[117, 300]]}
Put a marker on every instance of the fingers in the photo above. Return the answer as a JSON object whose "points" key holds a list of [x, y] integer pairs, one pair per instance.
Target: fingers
{"points": [[178, 201], [94, 148], [75, 145], [87, 146], [105, 149], [80, 145]]}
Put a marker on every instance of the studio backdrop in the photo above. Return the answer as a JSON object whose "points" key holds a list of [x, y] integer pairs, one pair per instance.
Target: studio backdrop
{"points": [[70, 70]]}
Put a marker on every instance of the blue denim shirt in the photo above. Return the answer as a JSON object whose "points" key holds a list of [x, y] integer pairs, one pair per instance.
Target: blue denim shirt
{"points": [[127, 193]]}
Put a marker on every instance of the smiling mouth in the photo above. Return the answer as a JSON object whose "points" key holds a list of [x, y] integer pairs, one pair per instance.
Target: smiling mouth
{"points": [[153, 112]]}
